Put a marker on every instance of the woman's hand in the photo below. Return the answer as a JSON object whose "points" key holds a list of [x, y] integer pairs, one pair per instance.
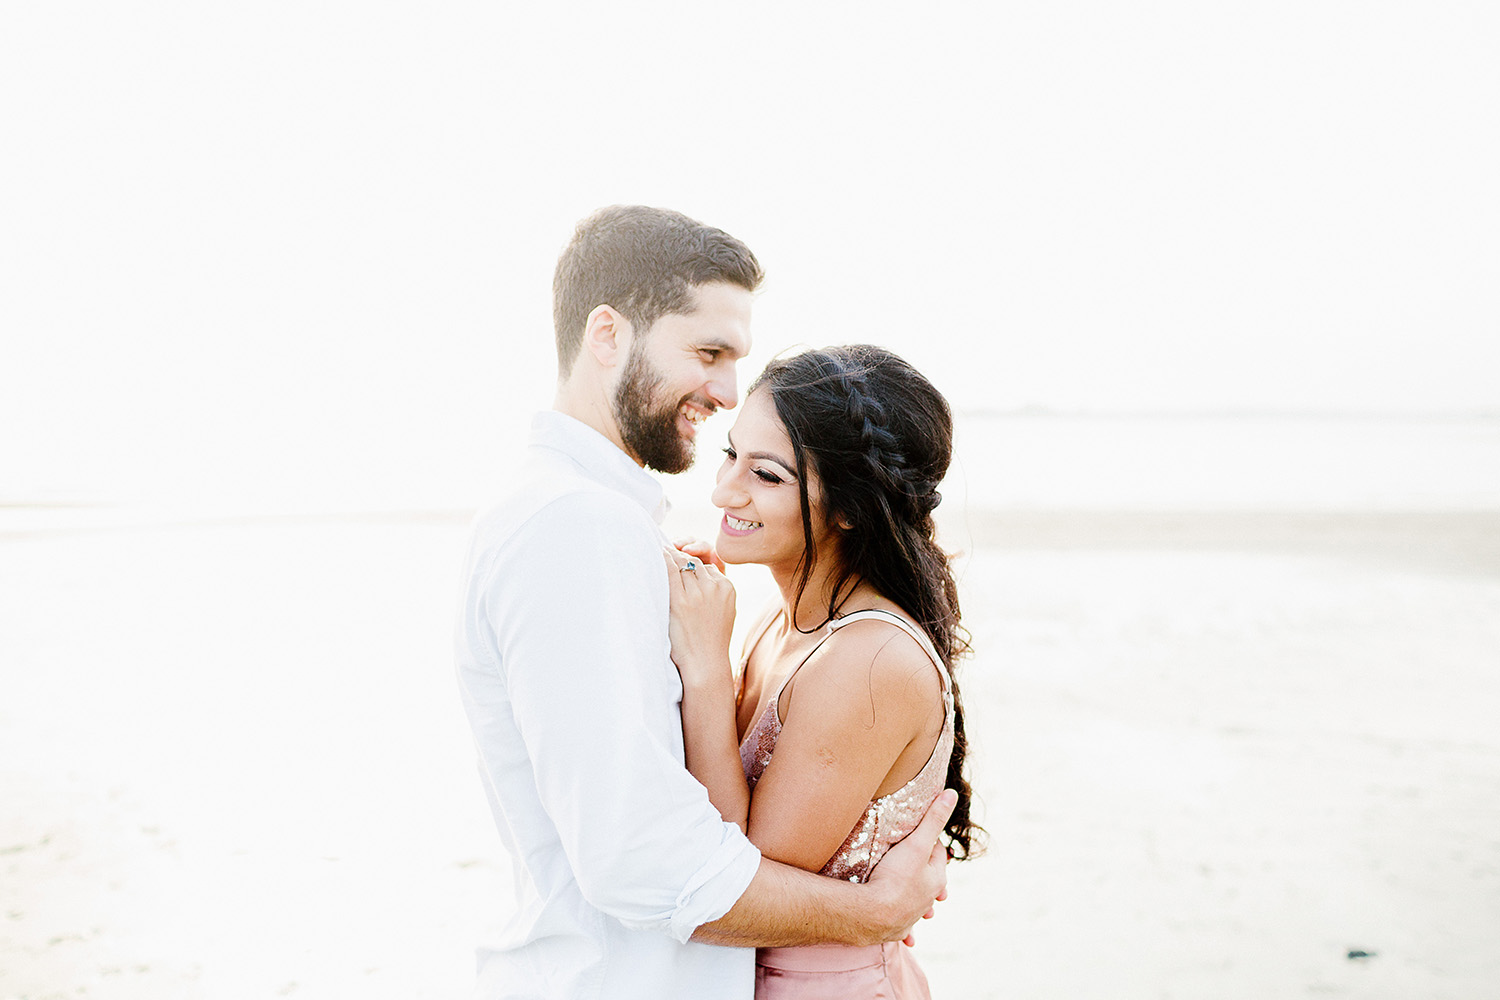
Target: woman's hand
{"points": [[702, 600], [701, 550], [702, 619]]}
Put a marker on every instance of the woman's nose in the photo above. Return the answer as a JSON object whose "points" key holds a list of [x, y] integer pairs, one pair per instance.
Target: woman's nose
{"points": [[729, 491]]}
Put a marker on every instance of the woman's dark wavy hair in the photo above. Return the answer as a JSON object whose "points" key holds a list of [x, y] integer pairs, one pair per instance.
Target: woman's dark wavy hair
{"points": [[879, 437]]}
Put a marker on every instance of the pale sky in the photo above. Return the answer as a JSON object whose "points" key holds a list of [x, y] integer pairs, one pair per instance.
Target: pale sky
{"points": [[312, 242]]}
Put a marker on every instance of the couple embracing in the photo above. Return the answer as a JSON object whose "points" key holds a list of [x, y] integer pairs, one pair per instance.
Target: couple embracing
{"points": [[680, 828]]}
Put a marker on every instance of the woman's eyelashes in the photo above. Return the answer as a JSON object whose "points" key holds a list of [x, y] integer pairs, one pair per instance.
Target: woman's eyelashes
{"points": [[764, 475]]}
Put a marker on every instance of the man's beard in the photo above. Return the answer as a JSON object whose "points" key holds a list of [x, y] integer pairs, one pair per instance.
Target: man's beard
{"points": [[648, 427]]}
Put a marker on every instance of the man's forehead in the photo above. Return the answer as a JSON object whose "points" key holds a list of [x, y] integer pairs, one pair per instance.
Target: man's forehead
{"points": [[718, 318]]}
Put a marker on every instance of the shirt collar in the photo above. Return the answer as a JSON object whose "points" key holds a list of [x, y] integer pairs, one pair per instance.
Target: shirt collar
{"points": [[599, 459]]}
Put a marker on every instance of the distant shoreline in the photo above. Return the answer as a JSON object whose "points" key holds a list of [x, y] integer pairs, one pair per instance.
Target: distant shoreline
{"points": [[1317, 416], [1476, 532], [1449, 540]]}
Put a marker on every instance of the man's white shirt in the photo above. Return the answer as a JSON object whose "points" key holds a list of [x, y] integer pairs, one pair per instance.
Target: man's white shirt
{"points": [[565, 671]]}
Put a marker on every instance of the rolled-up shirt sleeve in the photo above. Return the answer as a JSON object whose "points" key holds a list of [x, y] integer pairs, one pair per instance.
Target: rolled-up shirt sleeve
{"points": [[577, 601]]}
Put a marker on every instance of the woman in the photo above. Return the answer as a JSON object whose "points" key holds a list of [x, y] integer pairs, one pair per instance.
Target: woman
{"points": [[843, 723]]}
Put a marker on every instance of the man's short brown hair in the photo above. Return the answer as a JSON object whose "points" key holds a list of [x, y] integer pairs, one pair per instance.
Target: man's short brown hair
{"points": [[643, 262]]}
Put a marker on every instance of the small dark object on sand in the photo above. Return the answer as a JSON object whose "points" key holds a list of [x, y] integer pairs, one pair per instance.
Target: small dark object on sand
{"points": [[1356, 953]]}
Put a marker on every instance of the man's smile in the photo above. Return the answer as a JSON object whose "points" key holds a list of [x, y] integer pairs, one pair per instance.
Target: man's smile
{"points": [[694, 414]]}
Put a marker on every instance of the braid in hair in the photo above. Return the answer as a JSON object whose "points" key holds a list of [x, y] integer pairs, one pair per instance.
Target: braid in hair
{"points": [[880, 436]]}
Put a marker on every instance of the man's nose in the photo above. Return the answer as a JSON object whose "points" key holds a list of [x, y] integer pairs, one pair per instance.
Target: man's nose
{"points": [[724, 391]]}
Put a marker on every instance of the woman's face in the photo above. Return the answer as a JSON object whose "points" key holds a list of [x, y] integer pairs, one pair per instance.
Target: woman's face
{"points": [[757, 489]]}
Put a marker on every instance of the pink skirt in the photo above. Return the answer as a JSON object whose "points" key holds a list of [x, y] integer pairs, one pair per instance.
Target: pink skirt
{"points": [[839, 972]]}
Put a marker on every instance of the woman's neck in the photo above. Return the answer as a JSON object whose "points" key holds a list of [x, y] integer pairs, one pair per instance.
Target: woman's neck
{"points": [[809, 612]]}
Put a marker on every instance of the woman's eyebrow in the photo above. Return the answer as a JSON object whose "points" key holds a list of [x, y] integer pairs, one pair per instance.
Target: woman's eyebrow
{"points": [[775, 458], [768, 456]]}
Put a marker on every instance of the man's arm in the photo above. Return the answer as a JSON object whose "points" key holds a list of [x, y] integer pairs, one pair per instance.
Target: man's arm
{"points": [[785, 906]]}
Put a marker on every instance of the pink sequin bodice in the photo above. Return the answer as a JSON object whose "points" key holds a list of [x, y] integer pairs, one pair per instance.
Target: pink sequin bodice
{"points": [[889, 818]]}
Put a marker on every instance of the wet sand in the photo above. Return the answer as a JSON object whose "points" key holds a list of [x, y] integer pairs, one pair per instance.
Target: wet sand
{"points": [[1216, 753]]}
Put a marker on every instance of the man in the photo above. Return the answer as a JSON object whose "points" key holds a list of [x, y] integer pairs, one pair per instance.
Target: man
{"points": [[629, 883]]}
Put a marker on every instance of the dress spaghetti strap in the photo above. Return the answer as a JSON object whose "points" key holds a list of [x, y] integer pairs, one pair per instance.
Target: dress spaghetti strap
{"points": [[878, 614], [834, 624]]}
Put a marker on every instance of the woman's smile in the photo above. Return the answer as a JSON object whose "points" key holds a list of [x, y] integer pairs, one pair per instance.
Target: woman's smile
{"points": [[735, 526]]}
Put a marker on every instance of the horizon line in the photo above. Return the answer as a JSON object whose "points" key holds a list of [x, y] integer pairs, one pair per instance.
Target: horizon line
{"points": [[1235, 412]]}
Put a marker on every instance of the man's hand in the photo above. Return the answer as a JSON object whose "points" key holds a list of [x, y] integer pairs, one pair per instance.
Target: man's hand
{"points": [[788, 907], [913, 875], [911, 936]]}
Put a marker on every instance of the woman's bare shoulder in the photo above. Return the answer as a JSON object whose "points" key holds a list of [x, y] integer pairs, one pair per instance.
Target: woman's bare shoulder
{"points": [[877, 661]]}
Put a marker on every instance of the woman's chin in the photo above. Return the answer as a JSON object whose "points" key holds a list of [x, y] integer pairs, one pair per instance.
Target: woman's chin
{"points": [[724, 547]]}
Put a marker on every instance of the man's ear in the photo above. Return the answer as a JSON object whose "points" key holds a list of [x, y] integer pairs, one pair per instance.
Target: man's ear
{"points": [[606, 336]]}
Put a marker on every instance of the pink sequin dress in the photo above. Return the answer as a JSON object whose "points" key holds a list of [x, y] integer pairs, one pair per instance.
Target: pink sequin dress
{"points": [[840, 972]]}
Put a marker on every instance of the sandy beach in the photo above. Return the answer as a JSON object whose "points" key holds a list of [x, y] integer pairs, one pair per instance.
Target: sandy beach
{"points": [[1216, 752], [1209, 288]]}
